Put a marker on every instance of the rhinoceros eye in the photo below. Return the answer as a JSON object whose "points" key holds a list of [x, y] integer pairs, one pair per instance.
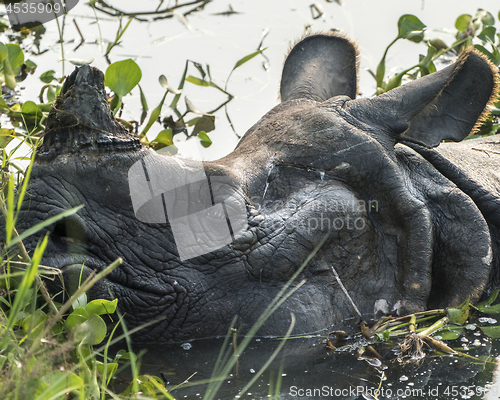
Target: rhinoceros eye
{"points": [[69, 230]]}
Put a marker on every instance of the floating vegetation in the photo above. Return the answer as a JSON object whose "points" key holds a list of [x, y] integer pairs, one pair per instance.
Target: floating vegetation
{"points": [[413, 337]]}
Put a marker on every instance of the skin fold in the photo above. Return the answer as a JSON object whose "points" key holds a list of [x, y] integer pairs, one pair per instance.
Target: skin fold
{"points": [[408, 225]]}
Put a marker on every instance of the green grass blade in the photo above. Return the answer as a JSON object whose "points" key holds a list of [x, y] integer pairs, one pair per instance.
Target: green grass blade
{"points": [[222, 359], [270, 309], [26, 283], [144, 103], [242, 61], [9, 217], [270, 359], [181, 86], [279, 378], [22, 192], [153, 117], [42, 225], [133, 363]]}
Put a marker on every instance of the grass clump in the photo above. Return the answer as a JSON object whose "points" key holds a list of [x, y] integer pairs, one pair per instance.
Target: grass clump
{"points": [[49, 350]]}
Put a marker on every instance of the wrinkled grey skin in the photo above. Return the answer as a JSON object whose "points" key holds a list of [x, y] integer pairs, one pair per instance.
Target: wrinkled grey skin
{"points": [[413, 227]]}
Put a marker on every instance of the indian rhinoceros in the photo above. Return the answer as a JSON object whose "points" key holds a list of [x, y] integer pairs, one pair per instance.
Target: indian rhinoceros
{"points": [[409, 222]]}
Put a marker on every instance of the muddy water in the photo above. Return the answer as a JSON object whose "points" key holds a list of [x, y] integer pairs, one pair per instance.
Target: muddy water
{"points": [[162, 46], [306, 370]]}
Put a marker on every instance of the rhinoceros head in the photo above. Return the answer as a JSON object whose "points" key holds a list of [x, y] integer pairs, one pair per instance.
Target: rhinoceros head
{"points": [[202, 242]]}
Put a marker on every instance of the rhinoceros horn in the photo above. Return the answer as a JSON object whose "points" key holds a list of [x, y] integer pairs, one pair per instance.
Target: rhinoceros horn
{"points": [[81, 121]]}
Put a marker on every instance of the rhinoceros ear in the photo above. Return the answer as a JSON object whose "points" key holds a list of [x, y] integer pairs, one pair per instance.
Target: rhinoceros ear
{"points": [[446, 105], [319, 67]]}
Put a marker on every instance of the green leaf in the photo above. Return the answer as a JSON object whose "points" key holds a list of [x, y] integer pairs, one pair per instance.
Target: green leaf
{"points": [[101, 306], [380, 72], [165, 137], [462, 22], [192, 108], [491, 298], [123, 354], [460, 314], [48, 76], [44, 107], [395, 81], [181, 86], [115, 103], [199, 67], [426, 61], [10, 79], [485, 17], [51, 95], [490, 309], [490, 56], [496, 56], [204, 139], [204, 83], [144, 103], [164, 83], [58, 383], [4, 107], [449, 333], [110, 368], [438, 43], [192, 122], [92, 331], [198, 81], [3, 52], [6, 135], [31, 110], [146, 384], [77, 317], [35, 322], [411, 28], [122, 76], [155, 114], [491, 331], [243, 60], [30, 66], [383, 336], [206, 123], [16, 55], [488, 34]]}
